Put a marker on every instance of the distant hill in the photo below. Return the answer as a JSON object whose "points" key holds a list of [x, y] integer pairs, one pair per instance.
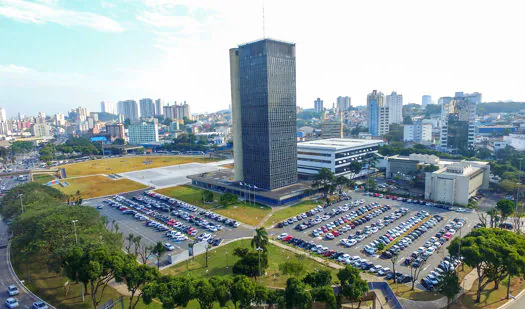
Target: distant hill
{"points": [[500, 107], [104, 117]]}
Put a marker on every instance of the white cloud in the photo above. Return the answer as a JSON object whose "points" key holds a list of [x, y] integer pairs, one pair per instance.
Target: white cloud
{"points": [[28, 12], [11, 68], [107, 5], [183, 24]]}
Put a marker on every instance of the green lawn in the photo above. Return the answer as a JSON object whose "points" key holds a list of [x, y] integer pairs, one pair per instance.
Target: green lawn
{"points": [[43, 178], [189, 194], [290, 211], [50, 287], [95, 186], [220, 263], [242, 212]]}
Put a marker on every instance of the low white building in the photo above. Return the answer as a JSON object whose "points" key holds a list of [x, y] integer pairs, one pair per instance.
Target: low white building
{"points": [[517, 141], [143, 133], [455, 183], [335, 154]]}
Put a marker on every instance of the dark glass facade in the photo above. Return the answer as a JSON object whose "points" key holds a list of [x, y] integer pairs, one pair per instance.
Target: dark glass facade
{"points": [[268, 112]]}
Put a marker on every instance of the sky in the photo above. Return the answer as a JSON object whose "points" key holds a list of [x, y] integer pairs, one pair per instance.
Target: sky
{"points": [[59, 54]]}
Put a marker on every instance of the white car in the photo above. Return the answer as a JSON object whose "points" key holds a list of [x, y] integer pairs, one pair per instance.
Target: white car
{"points": [[39, 305], [12, 290], [11, 303], [169, 246], [283, 235]]}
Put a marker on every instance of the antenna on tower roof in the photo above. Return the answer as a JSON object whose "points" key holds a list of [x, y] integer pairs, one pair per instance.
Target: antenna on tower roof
{"points": [[263, 25]]}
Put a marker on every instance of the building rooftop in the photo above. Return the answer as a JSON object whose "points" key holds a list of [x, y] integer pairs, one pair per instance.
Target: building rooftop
{"points": [[338, 143]]}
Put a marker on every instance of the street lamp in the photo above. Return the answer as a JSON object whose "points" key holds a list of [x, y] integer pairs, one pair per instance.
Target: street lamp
{"points": [[75, 227], [21, 204], [259, 249]]}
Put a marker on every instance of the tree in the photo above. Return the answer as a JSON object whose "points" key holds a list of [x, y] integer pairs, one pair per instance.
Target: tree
{"points": [[205, 294], [380, 246], [130, 238], [415, 272], [228, 199], [248, 265], [158, 250], [243, 291], [275, 297], [355, 167], [296, 296], [260, 240], [324, 294], [318, 278], [207, 196], [261, 294], [324, 178], [119, 141], [222, 288], [505, 208], [136, 277], [291, 267], [95, 266], [352, 285], [407, 120], [449, 285], [394, 262], [171, 291]]}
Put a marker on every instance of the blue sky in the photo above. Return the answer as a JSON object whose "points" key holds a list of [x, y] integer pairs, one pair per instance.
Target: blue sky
{"points": [[59, 54]]}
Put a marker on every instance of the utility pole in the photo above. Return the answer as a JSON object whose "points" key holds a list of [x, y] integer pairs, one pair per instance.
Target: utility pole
{"points": [[206, 255], [75, 227]]}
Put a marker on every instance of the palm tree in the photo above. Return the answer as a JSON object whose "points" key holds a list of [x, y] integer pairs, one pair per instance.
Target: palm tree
{"points": [[260, 239], [158, 250]]}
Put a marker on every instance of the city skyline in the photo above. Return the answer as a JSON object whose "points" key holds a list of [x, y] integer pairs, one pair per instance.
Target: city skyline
{"points": [[176, 49]]}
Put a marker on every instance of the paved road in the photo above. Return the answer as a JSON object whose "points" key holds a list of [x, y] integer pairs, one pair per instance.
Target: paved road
{"points": [[6, 276]]}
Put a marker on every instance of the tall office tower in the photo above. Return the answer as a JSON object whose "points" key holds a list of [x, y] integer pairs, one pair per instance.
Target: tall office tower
{"points": [[159, 107], [426, 99], [343, 103], [458, 118], [378, 114], [264, 106], [318, 106], [147, 108], [394, 102], [129, 109]]}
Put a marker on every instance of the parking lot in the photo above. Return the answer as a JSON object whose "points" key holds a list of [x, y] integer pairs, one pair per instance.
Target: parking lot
{"points": [[335, 230], [174, 223]]}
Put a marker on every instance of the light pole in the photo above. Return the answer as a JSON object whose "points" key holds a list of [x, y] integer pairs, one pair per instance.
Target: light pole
{"points": [[259, 249], [75, 228], [21, 204], [517, 195], [226, 259]]}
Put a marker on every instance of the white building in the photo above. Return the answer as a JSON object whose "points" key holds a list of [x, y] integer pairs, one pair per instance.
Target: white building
{"points": [[3, 114], [147, 108], [159, 107], [335, 154], [343, 104], [394, 102], [384, 120], [143, 133], [426, 100], [455, 183], [516, 141], [129, 109], [107, 107], [318, 106], [40, 130], [418, 132], [60, 120]]}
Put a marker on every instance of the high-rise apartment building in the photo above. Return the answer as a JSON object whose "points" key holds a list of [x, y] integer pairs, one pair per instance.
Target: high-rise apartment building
{"points": [[129, 109], [82, 113], [159, 107], [107, 107], [60, 120], [40, 130], [182, 111], [394, 102], [343, 104], [318, 106], [263, 84], [143, 133], [147, 108], [169, 112], [444, 100], [426, 99], [378, 114], [458, 118], [3, 114], [418, 132]]}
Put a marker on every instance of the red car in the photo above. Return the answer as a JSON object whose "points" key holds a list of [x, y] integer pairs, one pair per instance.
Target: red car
{"points": [[388, 196], [336, 233], [287, 238]]}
